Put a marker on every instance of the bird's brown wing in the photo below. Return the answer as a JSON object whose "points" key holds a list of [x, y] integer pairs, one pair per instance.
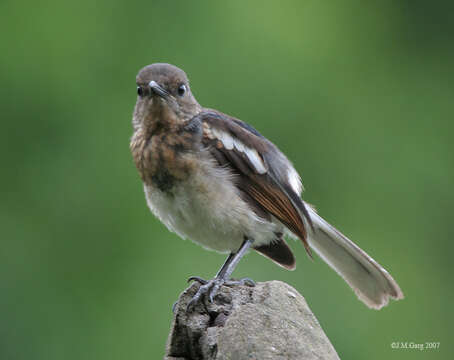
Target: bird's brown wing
{"points": [[264, 175]]}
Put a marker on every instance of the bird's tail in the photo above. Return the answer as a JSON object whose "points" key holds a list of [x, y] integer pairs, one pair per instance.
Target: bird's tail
{"points": [[371, 282]]}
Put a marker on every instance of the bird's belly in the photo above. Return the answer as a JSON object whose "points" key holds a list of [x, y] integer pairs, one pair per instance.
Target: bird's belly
{"points": [[208, 210]]}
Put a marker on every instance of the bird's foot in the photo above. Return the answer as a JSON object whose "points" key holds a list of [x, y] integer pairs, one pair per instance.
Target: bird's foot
{"points": [[212, 286], [209, 287], [198, 279]]}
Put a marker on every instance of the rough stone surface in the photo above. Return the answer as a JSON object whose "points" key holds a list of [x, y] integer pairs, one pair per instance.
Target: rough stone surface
{"points": [[268, 321]]}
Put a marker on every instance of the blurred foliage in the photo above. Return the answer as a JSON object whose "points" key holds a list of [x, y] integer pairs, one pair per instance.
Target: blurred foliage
{"points": [[358, 94]]}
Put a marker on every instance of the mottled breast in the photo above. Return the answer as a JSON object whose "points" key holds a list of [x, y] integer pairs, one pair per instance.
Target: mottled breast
{"points": [[165, 157]]}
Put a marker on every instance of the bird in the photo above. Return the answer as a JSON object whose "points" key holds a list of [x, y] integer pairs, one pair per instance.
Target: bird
{"points": [[214, 179]]}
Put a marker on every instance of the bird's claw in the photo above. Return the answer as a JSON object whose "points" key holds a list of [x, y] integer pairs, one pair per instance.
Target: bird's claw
{"points": [[209, 287], [212, 286], [174, 306], [198, 279]]}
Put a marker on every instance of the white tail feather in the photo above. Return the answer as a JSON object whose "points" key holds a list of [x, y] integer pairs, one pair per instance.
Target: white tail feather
{"points": [[371, 282]]}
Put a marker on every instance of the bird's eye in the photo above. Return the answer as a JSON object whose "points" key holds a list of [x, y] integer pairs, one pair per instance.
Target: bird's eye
{"points": [[139, 91], [182, 89]]}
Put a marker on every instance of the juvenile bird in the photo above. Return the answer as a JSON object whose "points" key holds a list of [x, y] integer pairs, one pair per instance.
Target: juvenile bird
{"points": [[216, 180]]}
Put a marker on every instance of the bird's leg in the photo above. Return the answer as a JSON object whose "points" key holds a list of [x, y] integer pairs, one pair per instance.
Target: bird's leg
{"points": [[222, 270], [223, 275]]}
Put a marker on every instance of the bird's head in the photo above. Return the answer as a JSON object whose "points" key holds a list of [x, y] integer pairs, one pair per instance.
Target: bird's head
{"points": [[164, 96]]}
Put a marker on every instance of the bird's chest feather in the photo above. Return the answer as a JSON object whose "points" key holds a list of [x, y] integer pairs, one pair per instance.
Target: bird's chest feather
{"points": [[205, 208], [164, 159], [208, 209]]}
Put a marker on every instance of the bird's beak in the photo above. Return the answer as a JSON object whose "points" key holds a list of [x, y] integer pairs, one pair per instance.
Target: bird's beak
{"points": [[157, 89]]}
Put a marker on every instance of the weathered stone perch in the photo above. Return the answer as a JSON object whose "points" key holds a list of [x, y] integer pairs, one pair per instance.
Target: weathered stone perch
{"points": [[268, 321]]}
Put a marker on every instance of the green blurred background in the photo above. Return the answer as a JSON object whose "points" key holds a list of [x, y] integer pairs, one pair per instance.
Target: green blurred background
{"points": [[357, 94]]}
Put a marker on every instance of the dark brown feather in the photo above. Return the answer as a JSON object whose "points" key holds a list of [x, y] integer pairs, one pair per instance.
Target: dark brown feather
{"points": [[270, 196], [279, 205], [279, 252], [239, 129], [253, 204]]}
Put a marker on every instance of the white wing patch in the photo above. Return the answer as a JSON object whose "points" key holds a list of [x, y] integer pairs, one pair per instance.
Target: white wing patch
{"points": [[225, 138], [255, 159], [230, 142], [294, 180], [239, 145]]}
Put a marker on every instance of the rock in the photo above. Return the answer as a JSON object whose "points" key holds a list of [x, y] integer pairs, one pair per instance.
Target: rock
{"points": [[268, 321]]}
